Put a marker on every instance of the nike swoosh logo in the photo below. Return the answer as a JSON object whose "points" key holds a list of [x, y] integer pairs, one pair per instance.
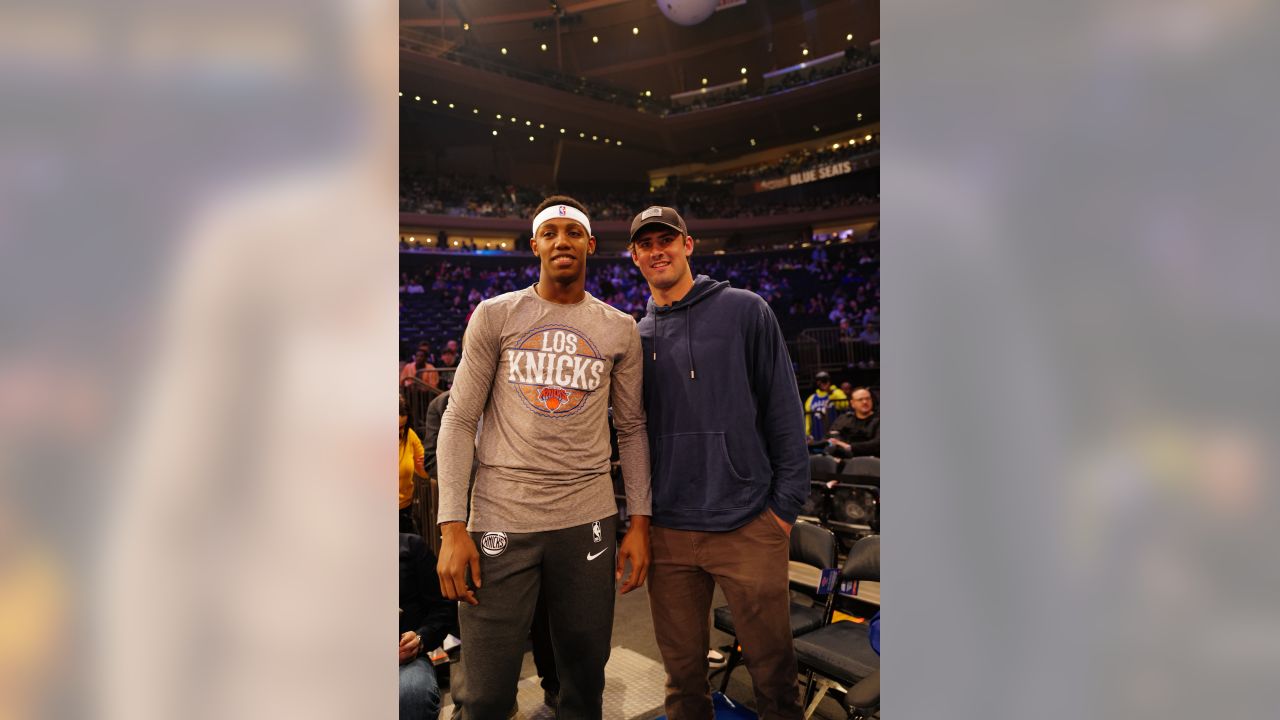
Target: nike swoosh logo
{"points": [[591, 556]]}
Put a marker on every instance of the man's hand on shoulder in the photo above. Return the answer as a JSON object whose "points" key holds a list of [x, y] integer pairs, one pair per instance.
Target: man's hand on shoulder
{"points": [[635, 545], [457, 554]]}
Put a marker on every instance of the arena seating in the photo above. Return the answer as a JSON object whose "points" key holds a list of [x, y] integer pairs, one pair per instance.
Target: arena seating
{"points": [[840, 652], [806, 287], [444, 194]]}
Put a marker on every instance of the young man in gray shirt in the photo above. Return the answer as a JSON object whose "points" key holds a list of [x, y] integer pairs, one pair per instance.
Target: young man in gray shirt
{"points": [[542, 365]]}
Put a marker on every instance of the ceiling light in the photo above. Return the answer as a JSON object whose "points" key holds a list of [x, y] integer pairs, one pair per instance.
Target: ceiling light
{"points": [[595, 137], [504, 51], [582, 134], [417, 97], [753, 142], [495, 132], [561, 131], [704, 81], [859, 116], [647, 93], [475, 111], [849, 37], [635, 31], [606, 140], [544, 47], [815, 128], [466, 26], [542, 126], [401, 94], [527, 123], [867, 138], [499, 116], [530, 138], [435, 101], [513, 118], [743, 71], [805, 52], [411, 239], [801, 66], [450, 106], [835, 146], [618, 143], [595, 38]]}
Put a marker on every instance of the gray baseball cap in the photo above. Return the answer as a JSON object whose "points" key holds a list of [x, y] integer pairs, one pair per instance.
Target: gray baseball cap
{"points": [[658, 215]]}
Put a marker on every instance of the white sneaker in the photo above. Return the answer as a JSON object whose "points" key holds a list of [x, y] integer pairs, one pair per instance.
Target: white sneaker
{"points": [[716, 659]]}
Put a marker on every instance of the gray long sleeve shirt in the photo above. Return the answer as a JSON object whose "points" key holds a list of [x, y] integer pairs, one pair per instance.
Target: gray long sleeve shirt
{"points": [[543, 375]]}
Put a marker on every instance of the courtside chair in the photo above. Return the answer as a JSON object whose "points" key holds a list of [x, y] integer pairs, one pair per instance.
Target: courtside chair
{"points": [[840, 653]]}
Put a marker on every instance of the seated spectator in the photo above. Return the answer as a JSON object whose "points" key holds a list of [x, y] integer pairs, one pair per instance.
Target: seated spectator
{"points": [[425, 619], [821, 406], [870, 334], [419, 370], [410, 462], [857, 432]]}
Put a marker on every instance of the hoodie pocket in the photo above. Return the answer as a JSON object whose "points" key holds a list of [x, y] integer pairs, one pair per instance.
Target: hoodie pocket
{"points": [[695, 472]]}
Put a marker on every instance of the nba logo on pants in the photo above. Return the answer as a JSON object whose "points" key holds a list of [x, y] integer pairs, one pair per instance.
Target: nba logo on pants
{"points": [[595, 530]]}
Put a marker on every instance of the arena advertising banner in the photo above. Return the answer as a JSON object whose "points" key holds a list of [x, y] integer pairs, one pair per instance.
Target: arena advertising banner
{"points": [[822, 172]]}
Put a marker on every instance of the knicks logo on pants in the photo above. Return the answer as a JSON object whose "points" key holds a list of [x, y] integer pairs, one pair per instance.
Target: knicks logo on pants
{"points": [[555, 369]]}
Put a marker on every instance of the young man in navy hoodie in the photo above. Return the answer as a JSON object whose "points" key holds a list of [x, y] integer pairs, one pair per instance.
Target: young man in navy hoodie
{"points": [[730, 471]]}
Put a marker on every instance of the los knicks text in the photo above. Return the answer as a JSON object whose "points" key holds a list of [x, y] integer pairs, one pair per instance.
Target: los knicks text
{"points": [[556, 363]]}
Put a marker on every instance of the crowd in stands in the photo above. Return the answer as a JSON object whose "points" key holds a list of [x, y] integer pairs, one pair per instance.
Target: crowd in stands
{"points": [[822, 286], [854, 59], [472, 197], [711, 204], [803, 159]]}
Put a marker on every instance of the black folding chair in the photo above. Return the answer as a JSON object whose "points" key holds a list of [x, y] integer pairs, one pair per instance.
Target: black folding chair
{"points": [[840, 653], [812, 545], [822, 469], [855, 500]]}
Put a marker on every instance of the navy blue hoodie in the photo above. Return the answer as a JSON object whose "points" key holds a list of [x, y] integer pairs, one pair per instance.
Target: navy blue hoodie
{"points": [[726, 428]]}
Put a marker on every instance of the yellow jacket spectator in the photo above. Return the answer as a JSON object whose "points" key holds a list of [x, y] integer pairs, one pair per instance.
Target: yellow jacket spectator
{"points": [[411, 454], [823, 405]]}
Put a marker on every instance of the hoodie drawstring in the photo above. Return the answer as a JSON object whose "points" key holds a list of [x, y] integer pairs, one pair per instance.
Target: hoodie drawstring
{"points": [[656, 316], [688, 343]]}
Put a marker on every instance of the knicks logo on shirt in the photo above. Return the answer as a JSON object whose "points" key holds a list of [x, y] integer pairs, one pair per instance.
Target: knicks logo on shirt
{"points": [[555, 369]]}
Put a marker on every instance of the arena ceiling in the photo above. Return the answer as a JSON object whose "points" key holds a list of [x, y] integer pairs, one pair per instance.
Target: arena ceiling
{"points": [[628, 45]]}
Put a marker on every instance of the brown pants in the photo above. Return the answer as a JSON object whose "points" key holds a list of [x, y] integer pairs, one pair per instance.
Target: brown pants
{"points": [[750, 565]]}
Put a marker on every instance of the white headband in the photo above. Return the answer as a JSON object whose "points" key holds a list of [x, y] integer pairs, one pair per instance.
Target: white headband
{"points": [[564, 211]]}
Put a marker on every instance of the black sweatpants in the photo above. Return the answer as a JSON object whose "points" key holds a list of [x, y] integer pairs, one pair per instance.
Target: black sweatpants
{"points": [[573, 569]]}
